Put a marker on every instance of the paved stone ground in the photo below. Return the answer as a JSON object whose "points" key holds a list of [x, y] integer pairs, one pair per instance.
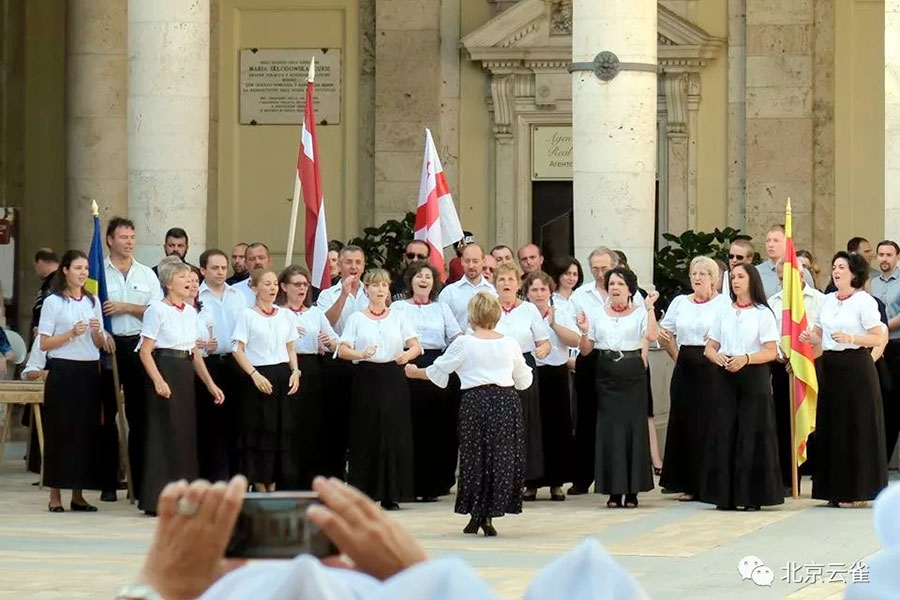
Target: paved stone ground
{"points": [[675, 549]]}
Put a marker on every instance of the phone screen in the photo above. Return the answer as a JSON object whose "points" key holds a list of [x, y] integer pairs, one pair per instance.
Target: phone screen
{"points": [[274, 525]]}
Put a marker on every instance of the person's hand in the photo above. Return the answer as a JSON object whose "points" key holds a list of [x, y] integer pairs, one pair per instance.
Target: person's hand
{"points": [[722, 359], [804, 336], [788, 367], [736, 363], [217, 394], [582, 322], [162, 388], [651, 299], [94, 325], [402, 358], [294, 381], [411, 370], [301, 331], [79, 329], [112, 307], [109, 343], [373, 541], [324, 341], [842, 338], [542, 351], [187, 554], [571, 364], [261, 383], [211, 344], [551, 316], [369, 352], [347, 284], [666, 336]]}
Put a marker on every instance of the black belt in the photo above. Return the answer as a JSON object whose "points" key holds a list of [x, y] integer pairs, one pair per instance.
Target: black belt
{"points": [[219, 357], [617, 355], [127, 337], [172, 353]]}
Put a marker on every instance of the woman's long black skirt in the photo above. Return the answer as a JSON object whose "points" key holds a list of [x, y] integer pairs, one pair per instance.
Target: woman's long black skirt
{"points": [[263, 448], [741, 464], [491, 452], [432, 425], [850, 463], [72, 430], [556, 424], [622, 464], [381, 444], [585, 420], [531, 420], [170, 444], [305, 417], [693, 405]]}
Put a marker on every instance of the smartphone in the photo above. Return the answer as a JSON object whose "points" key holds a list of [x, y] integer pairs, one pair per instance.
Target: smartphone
{"points": [[274, 525]]}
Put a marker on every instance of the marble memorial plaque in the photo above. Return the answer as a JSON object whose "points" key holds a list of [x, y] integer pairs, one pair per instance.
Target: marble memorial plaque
{"points": [[273, 86]]}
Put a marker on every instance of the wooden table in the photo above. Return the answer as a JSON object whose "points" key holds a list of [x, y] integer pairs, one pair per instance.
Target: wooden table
{"points": [[22, 392]]}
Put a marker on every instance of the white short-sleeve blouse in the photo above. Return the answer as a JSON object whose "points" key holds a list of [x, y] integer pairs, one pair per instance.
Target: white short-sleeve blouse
{"points": [[59, 315], [619, 333], [265, 338], [854, 316], [525, 325], [312, 322], [434, 322], [170, 327], [559, 352], [743, 330], [690, 321], [389, 335], [482, 362]]}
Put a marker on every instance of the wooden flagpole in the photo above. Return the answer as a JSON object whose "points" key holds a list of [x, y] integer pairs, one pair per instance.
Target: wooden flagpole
{"points": [[795, 479], [295, 200]]}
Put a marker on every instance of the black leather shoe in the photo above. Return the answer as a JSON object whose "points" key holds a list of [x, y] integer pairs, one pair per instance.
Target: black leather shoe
{"points": [[631, 501], [474, 524], [55, 509], [79, 507], [390, 506], [615, 501], [576, 490], [108, 496], [488, 528]]}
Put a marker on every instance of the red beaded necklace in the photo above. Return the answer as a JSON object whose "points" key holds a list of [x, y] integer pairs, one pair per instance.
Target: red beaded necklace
{"points": [[619, 309], [377, 314], [178, 307], [267, 313], [547, 314], [417, 303], [698, 301], [748, 305], [508, 310], [841, 297], [296, 310]]}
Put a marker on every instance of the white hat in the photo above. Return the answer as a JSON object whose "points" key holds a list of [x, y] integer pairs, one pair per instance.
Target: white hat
{"points": [[440, 579], [883, 572]]}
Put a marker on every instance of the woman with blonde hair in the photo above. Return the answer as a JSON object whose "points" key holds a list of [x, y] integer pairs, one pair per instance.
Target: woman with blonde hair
{"points": [[380, 341], [682, 334], [491, 434]]}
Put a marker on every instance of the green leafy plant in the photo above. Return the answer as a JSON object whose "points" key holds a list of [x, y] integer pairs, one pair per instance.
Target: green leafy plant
{"points": [[671, 264], [383, 245]]}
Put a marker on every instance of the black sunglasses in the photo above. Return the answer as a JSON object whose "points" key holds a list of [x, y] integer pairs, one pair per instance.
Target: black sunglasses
{"points": [[414, 256], [736, 257]]}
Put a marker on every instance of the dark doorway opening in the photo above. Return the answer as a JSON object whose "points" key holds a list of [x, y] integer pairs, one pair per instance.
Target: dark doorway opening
{"points": [[552, 225]]}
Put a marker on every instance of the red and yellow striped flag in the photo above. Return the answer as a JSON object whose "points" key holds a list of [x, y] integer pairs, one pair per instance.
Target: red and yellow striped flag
{"points": [[800, 354]]}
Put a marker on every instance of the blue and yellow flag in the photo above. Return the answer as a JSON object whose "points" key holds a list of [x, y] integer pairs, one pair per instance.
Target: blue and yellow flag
{"points": [[96, 282]]}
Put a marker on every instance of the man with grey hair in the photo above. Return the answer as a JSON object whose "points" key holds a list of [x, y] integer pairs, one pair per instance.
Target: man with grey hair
{"points": [[348, 296]]}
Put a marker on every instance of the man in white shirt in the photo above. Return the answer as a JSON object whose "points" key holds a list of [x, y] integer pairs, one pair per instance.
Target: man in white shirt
{"points": [[457, 294], [886, 287], [257, 259], [131, 287], [217, 424], [530, 258], [348, 296]]}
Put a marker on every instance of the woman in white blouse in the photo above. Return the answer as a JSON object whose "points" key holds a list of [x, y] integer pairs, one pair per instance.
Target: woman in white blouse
{"points": [[741, 467], [621, 333], [683, 334], [433, 410], [491, 433], [380, 341], [567, 277], [264, 339], [522, 322], [168, 352], [850, 461], [71, 334], [553, 386], [305, 428]]}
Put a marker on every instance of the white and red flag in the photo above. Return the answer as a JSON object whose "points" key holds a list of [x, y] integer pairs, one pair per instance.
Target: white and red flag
{"points": [[308, 178], [436, 220]]}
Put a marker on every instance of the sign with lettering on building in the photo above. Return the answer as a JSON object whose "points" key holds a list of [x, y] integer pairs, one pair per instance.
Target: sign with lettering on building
{"points": [[273, 85], [551, 152]]}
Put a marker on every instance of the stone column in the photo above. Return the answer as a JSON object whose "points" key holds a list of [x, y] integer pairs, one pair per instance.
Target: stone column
{"points": [[168, 122], [96, 146], [892, 119], [614, 132]]}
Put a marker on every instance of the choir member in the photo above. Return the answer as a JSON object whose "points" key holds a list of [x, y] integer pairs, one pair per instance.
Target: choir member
{"points": [[71, 333], [850, 466], [264, 350], [886, 287], [131, 288], [621, 333], [590, 299], [238, 264], [257, 260], [433, 410], [491, 433], [682, 334], [167, 351], [217, 424], [457, 294], [567, 277], [416, 250], [553, 386], [521, 321], [781, 395], [305, 422], [742, 467], [379, 342], [808, 262], [339, 302]]}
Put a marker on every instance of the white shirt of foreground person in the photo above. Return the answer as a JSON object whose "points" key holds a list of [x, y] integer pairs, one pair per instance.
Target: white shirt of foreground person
{"points": [[37, 360], [60, 314], [619, 333], [883, 582], [223, 312], [352, 305], [559, 352], [313, 322], [388, 335], [265, 338], [586, 572], [140, 286], [525, 325], [170, 327], [744, 330], [457, 296], [246, 292], [691, 322], [812, 304], [480, 361], [853, 316], [434, 322]]}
